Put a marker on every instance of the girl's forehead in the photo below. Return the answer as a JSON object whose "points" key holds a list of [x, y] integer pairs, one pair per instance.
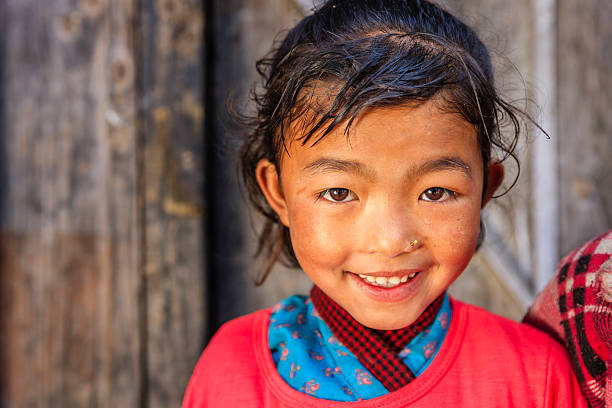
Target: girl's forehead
{"points": [[430, 118], [388, 143], [387, 147]]}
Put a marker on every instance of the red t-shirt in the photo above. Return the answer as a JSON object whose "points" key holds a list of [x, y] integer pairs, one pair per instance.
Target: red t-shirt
{"points": [[485, 361]]}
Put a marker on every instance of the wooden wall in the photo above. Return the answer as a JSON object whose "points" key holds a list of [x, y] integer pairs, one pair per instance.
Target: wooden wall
{"points": [[124, 237], [585, 123], [103, 268]]}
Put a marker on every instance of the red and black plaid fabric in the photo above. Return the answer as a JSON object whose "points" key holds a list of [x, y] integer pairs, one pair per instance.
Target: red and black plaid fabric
{"points": [[574, 309], [581, 307], [377, 350]]}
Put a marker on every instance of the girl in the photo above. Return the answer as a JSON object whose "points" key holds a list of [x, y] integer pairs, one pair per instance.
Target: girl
{"points": [[371, 157]]}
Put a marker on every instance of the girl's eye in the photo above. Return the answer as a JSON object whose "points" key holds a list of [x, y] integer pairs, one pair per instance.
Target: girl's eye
{"points": [[338, 195], [437, 194]]}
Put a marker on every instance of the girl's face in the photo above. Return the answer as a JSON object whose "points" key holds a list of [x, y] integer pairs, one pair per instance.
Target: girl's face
{"points": [[354, 208]]}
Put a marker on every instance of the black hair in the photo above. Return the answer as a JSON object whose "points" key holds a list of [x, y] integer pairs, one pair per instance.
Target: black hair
{"points": [[367, 53]]}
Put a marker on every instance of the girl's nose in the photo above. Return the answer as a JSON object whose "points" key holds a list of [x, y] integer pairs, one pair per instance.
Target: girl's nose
{"points": [[389, 230]]}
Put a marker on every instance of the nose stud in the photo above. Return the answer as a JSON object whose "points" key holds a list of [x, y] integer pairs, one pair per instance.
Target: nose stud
{"points": [[413, 243]]}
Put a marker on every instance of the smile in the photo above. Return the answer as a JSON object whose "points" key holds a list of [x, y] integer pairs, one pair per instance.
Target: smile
{"points": [[387, 282]]}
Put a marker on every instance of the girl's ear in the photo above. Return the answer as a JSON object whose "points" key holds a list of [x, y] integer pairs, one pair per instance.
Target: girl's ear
{"points": [[495, 176], [268, 179]]}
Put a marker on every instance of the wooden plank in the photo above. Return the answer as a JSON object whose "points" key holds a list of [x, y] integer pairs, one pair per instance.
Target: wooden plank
{"points": [[585, 123], [69, 268], [172, 74]]}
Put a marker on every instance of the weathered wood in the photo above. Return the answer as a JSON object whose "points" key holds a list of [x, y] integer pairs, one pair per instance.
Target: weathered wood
{"points": [[172, 79], [69, 270], [585, 123]]}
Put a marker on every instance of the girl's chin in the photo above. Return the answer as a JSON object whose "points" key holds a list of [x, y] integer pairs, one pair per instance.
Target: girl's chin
{"points": [[389, 319]]}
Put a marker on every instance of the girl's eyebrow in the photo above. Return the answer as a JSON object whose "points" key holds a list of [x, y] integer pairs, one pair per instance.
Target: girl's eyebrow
{"points": [[349, 166], [444, 163]]}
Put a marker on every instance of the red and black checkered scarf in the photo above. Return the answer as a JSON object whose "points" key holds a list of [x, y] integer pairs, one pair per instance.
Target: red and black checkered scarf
{"points": [[377, 350], [575, 307]]}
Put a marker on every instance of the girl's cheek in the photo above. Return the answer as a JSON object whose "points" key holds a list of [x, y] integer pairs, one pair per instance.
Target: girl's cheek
{"points": [[455, 237], [316, 240]]}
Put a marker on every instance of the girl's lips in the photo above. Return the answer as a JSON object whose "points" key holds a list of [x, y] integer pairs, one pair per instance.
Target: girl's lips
{"points": [[396, 293]]}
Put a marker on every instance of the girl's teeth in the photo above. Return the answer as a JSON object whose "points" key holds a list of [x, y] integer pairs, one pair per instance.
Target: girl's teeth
{"points": [[387, 282], [394, 280]]}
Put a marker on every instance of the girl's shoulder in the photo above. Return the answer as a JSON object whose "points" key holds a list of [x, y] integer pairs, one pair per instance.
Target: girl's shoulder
{"points": [[237, 339], [236, 334], [499, 337], [228, 371], [499, 359], [482, 323], [233, 368]]}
